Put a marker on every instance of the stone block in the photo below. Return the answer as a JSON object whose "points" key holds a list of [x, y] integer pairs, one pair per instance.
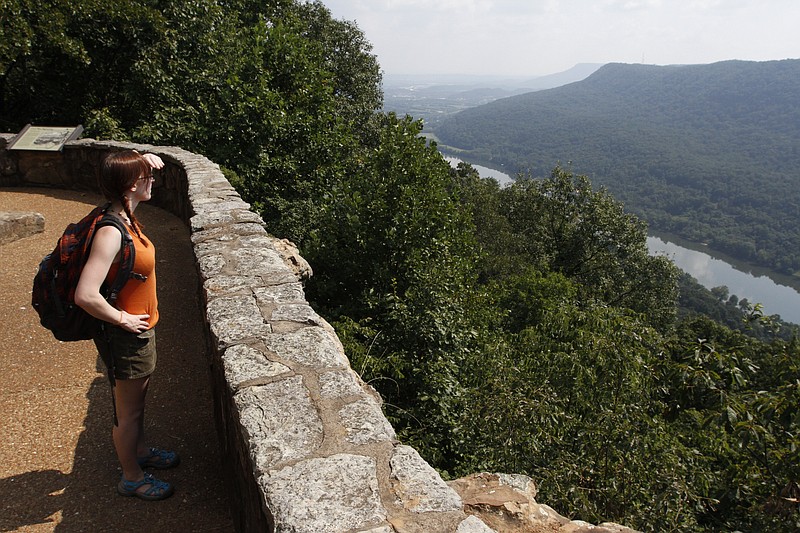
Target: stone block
{"points": [[221, 285], [325, 495], [473, 524], [16, 225], [257, 261], [339, 384], [280, 422], [311, 347], [364, 422], [300, 313], [245, 366], [235, 318], [281, 294], [418, 486]]}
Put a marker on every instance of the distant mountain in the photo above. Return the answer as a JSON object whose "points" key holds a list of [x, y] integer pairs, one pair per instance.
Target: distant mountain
{"points": [[577, 73], [432, 97], [708, 152]]}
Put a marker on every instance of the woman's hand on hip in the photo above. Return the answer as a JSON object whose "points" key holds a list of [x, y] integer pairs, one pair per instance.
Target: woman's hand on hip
{"points": [[133, 323]]}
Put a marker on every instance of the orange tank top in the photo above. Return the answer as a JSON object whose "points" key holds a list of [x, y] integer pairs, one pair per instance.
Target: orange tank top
{"points": [[139, 297]]}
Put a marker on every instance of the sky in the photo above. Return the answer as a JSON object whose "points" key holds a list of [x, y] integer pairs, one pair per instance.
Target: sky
{"points": [[538, 37]]}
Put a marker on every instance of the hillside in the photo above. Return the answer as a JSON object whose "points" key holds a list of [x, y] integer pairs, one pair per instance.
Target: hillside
{"points": [[708, 152]]}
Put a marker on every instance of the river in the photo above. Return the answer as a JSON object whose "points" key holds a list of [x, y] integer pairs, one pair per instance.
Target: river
{"points": [[485, 172], [776, 297]]}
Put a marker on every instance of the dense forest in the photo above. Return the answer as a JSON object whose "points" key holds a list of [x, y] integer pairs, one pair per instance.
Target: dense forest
{"points": [[707, 152], [521, 329]]}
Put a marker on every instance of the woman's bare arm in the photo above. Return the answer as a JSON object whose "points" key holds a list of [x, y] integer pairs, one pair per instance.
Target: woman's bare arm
{"points": [[106, 246]]}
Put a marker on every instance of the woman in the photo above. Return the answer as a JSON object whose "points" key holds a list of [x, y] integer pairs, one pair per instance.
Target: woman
{"points": [[127, 343]]}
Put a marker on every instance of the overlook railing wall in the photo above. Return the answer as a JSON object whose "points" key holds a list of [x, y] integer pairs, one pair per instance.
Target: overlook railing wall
{"points": [[306, 445]]}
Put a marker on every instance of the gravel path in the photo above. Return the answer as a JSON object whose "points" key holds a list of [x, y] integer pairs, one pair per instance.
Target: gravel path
{"points": [[58, 469]]}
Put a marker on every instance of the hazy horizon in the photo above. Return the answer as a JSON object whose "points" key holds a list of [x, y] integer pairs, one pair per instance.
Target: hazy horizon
{"points": [[533, 38]]}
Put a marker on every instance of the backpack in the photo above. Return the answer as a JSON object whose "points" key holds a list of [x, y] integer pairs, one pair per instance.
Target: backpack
{"points": [[53, 294]]}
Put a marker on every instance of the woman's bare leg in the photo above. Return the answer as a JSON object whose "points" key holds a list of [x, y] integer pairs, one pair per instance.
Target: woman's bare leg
{"points": [[128, 435]]}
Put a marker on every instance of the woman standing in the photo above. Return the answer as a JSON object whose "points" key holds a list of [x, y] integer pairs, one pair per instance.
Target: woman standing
{"points": [[127, 343]]}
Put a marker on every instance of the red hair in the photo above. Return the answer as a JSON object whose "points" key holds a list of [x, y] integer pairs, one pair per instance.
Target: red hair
{"points": [[119, 173]]}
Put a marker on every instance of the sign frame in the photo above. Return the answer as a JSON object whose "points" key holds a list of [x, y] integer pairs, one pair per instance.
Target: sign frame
{"points": [[44, 138]]}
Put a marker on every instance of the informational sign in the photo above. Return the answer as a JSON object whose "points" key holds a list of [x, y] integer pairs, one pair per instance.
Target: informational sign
{"points": [[44, 138]]}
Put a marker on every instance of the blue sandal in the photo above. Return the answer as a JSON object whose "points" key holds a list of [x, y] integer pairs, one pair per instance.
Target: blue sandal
{"points": [[160, 459], [158, 489]]}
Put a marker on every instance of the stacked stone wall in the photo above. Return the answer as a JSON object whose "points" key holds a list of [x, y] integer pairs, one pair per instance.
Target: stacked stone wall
{"points": [[305, 443], [304, 439]]}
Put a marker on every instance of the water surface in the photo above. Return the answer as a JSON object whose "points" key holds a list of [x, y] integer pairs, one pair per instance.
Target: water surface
{"points": [[757, 285], [713, 272]]}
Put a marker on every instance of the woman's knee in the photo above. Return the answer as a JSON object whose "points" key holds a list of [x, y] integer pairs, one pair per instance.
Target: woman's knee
{"points": [[130, 396]]}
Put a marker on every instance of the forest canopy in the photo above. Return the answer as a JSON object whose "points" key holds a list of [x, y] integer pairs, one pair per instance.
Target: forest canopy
{"points": [[520, 329]]}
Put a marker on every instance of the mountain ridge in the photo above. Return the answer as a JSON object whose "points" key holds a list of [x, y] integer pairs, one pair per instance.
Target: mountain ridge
{"points": [[708, 152]]}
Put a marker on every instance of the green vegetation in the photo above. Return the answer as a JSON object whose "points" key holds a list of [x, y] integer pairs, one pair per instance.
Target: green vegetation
{"points": [[706, 152], [521, 329]]}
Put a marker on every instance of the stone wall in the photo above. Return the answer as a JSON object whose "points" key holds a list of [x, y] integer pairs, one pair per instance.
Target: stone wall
{"points": [[306, 446], [304, 438]]}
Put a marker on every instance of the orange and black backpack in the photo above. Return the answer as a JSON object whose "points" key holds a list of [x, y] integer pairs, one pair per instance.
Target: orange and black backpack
{"points": [[53, 294]]}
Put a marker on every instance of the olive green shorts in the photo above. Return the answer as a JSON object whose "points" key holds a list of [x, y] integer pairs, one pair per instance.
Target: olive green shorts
{"points": [[130, 355]]}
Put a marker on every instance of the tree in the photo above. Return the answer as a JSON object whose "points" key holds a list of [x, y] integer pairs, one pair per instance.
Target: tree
{"points": [[561, 224], [572, 400], [346, 55], [62, 56], [493, 230], [733, 400], [278, 92], [394, 268]]}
